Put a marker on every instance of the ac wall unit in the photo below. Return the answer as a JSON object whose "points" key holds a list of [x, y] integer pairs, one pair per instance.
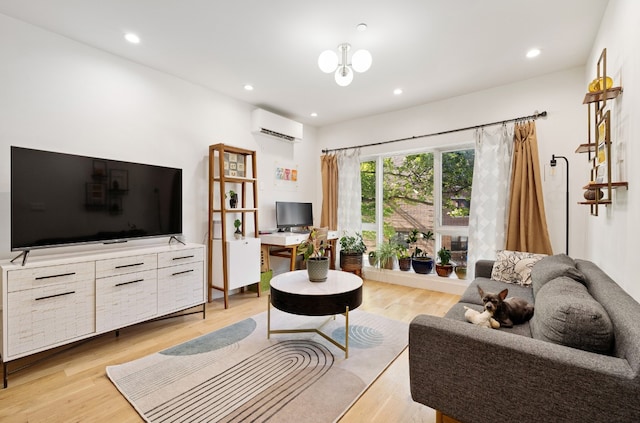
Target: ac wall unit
{"points": [[275, 126]]}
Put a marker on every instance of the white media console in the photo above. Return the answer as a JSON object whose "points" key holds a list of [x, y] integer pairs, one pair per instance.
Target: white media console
{"points": [[59, 299]]}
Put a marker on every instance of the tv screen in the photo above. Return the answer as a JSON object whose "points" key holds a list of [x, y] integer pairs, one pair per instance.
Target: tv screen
{"points": [[60, 199], [290, 215]]}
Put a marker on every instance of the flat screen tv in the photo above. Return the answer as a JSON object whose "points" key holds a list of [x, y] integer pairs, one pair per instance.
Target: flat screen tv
{"points": [[63, 199], [292, 215]]}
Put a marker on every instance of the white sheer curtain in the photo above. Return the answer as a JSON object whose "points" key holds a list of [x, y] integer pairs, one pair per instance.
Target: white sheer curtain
{"points": [[349, 192], [489, 194]]}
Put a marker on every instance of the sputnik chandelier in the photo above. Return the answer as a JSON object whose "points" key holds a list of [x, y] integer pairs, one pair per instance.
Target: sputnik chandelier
{"points": [[330, 62]]}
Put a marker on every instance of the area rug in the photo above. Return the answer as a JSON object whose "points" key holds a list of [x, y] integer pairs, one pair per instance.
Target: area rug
{"points": [[237, 374]]}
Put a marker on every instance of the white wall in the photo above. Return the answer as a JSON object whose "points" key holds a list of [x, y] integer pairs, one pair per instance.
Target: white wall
{"points": [[613, 236], [560, 94], [60, 95]]}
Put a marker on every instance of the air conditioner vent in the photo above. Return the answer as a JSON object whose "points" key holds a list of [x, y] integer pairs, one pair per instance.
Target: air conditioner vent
{"points": [[275, 134]]}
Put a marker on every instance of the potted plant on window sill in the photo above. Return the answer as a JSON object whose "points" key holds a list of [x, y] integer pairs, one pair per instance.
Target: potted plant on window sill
{"points": [[444, 268], [386, 254], [312, 250], [351, 250], [420, 260], [404, 258]]}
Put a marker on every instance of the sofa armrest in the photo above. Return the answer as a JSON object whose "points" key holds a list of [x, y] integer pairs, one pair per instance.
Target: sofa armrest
{"points": [[483, 268], [466, 371]]}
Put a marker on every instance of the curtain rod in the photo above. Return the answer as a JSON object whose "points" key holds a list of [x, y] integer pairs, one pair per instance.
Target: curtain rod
{"points": [[534, 116]]}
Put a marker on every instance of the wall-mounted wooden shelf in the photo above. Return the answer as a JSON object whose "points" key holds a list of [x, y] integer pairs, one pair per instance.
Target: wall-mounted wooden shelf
{"points": [[614, 185], [586, 148], [609, 94]]}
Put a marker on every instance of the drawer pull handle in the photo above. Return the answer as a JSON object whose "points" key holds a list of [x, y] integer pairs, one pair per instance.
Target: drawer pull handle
{"points": [[182, 258], [55, 276], [129, 265], [180, 273], [127, 283], [56, 295]]}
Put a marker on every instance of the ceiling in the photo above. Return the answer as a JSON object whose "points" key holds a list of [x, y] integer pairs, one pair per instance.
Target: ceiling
{"points": [[431, 49]]}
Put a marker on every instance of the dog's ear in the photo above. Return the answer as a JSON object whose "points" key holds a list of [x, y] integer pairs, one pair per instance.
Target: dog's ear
{"points": [[503, 294], [481, 292]]}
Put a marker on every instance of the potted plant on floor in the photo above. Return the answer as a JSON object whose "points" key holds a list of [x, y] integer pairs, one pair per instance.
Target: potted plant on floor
{"points": [[420, 260], [238, 233], [444, 268], [351, 250], [312, 249]]}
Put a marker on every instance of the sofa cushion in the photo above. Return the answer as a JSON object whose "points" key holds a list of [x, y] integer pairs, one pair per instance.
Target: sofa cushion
{"points": [[552, 267], [470, 295], [514, 266], [567, 314]]}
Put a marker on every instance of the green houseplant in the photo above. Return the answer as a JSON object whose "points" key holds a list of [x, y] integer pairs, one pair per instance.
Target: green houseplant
{"points": [[444, 267], [351, 250], [386, 254], [404, 258], [312, 249], [238, 233], [233, 199], [420, 260]]}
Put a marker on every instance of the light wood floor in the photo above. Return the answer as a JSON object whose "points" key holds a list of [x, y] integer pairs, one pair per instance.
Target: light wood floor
{"points": [[73, 386]]}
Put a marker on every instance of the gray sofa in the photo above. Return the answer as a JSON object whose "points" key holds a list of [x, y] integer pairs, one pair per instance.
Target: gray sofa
{"points": [[577, 360]]}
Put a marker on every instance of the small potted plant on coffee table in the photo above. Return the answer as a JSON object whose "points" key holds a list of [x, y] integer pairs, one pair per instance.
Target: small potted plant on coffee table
{"points": [[444, 268], [351, 250], [312, 249]]}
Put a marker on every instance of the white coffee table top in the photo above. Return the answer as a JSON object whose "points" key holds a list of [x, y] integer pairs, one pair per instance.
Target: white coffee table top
{"points": [[297, 282]]}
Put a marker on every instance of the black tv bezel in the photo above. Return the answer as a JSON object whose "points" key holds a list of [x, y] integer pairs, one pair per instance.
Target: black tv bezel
{"points": [[105, 241], [283, 226]]}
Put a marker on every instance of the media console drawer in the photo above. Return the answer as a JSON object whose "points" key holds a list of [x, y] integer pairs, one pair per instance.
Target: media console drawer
{"points": [[22, 279], [123, 265]]}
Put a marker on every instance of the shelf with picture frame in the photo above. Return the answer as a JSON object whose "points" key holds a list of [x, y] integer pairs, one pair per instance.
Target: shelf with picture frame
{"points": [[232, 169], [598, 147]]}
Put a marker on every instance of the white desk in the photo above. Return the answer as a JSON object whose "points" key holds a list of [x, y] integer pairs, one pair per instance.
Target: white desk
{"points": [[286, 245]]}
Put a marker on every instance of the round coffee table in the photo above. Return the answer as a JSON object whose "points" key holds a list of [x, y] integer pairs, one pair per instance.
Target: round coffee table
{"points": [[292, 292]]}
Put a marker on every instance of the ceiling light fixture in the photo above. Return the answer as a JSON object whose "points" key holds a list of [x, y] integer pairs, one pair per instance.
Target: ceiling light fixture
{"points": [[132, 38], [397, 91], [534, 52], [330, 62], [248, 87], [362, 27]]}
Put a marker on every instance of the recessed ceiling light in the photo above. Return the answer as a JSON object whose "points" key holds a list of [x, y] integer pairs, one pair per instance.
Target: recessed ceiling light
{"points": [[362, 27], [132, 38], [314, 114], [248, 87], [534, 52], [397, 91]]}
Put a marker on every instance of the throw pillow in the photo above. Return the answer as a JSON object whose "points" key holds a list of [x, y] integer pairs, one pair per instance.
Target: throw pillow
{"points": [[514, 266], [552, 267], [567, 314]]}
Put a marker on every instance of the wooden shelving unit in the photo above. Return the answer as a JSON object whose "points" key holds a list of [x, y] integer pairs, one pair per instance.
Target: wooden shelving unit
{"points": [[232, 263], [598, 147]]}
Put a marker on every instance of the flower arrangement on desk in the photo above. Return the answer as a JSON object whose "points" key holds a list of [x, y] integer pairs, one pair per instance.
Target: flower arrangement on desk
{"points": [[312, 249]]}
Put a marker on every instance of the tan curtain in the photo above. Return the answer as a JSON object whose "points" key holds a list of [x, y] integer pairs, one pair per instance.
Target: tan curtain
{"points": [[329, 168], [527, 223]]}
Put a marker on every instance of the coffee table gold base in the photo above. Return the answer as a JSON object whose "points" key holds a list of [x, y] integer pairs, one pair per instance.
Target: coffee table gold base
{"points": [[317, 330]]}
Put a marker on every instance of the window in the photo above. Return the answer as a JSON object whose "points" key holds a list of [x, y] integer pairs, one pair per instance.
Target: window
{"points": [[428, 191]]}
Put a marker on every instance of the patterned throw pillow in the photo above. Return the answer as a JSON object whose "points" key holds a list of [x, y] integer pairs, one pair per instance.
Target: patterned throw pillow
{"points": [[514, 266]]}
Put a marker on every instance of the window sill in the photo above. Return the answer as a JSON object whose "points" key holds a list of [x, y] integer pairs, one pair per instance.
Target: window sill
{"points": [[450, 285]]}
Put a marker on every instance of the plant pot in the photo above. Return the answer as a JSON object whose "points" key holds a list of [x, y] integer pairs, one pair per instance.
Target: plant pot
{"points": [[422, 265], [461, 272], [350, 262], [404, 264], [387, 264], [444, 270], [318, 268], [372, 259], [237, 234], [233, 202]]}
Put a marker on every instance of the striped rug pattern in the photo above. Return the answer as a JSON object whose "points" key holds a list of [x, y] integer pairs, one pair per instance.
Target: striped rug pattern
{"points": [[237, 374]]}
